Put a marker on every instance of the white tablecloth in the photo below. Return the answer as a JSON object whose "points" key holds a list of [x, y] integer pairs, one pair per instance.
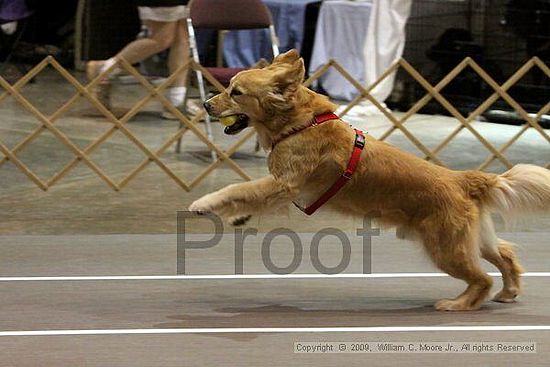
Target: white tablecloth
{"points": [[340, 35], [385, 43]]}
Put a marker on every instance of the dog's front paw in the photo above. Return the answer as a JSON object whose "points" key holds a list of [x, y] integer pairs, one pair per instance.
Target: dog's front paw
{"points": [[203, 205]]}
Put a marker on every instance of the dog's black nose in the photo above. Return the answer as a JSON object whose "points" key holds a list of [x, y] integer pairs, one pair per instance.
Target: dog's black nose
{"points": [[207, 106]]}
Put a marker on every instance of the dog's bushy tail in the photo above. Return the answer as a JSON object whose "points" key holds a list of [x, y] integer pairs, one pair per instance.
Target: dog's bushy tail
{"points": [[524, 189]]}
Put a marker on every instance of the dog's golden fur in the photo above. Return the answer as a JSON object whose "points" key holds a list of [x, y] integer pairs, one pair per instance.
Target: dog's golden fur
{"points": [[447, 211]]}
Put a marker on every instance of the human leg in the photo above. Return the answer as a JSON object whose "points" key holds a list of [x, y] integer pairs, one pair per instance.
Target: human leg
{"points": [[162, 36]]}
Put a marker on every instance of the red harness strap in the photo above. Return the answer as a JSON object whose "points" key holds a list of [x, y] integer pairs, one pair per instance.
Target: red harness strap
{"points": [[343, 179], [353, 162]]}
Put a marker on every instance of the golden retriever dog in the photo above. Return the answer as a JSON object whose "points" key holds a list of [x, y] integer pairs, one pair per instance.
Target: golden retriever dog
{"points": [[449, 212]]}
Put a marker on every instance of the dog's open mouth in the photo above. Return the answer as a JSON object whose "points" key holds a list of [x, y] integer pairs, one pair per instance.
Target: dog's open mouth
{"points": [[234, 123]]}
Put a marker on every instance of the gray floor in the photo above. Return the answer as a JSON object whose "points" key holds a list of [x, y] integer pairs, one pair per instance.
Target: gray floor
{"points": [[80, 227], [241, 303]]}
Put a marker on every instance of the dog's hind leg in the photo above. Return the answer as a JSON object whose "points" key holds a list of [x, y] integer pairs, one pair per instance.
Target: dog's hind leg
{"points": [[459, 257], [479, 283], [500, 253]]}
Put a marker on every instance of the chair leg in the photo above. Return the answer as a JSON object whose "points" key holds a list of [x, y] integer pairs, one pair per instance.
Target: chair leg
{"points": [[210, 136], [207, 120], [178, 143], [185, 98], [200, 80]]}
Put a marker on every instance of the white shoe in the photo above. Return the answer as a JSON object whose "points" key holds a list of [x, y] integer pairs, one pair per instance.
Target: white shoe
{"points": [[102, 90], [192, 109]]}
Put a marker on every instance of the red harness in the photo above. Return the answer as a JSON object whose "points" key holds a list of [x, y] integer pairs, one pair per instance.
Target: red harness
{"points": [[353, 162]]}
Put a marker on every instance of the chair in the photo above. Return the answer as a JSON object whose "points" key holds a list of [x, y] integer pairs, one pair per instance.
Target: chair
{"points": [[15, 13], [224, 15]]}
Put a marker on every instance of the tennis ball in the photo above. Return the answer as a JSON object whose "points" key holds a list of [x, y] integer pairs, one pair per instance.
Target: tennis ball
{"points": [[229, 120]]}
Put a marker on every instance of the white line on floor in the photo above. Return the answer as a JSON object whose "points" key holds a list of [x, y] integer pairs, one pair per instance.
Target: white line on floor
{"points": [[387, 329], [239, 276]]}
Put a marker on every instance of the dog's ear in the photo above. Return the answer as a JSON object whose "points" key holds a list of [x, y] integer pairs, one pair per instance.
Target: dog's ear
{"points": [[288, 78], [288, 57], [262, 63], [275, 102], [286, 81]]}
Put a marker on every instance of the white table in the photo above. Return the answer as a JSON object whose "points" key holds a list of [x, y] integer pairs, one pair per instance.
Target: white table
{"points": [[340, 35]]}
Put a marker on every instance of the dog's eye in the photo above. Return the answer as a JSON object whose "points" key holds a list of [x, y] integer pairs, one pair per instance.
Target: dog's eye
{"points": [[235, 92]]}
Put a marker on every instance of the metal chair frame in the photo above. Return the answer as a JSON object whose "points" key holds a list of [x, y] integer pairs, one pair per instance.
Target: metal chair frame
{"points": [[199, 74]]}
